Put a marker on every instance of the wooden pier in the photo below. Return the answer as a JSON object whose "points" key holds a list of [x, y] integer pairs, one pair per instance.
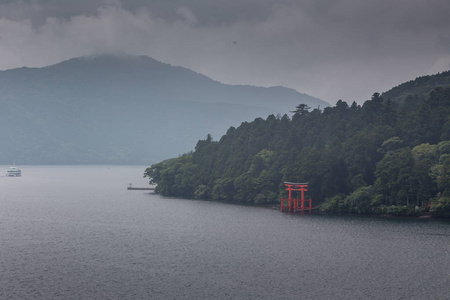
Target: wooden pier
{"points": [[132, 188], [140, 188]]}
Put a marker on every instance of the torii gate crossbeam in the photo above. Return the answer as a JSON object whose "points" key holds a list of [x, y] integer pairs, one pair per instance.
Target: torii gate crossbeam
{"points": [[296, 204]]}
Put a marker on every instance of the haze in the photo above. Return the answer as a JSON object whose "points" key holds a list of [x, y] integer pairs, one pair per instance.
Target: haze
{"points": [[344, 49]]}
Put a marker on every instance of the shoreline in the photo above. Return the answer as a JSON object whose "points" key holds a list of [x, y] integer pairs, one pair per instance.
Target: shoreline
{"points": [[316, 210]]}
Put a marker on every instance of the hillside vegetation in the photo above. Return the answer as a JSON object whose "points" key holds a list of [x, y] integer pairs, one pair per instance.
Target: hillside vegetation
{"points": [[382, 157], [420, 87]]}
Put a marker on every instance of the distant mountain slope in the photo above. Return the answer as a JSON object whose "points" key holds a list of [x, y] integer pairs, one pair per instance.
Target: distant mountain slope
{"points": [[122, 109], [421, 86]]}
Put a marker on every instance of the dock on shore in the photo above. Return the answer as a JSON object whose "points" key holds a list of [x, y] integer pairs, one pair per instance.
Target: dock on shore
{"points": [[131, 188], [140, 188]]}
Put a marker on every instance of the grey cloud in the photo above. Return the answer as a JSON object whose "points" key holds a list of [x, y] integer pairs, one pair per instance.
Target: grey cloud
{"points": [[345, 49]]}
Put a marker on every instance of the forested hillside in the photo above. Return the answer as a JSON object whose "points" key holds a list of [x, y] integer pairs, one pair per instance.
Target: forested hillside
{"points": [[419, 87], [382, 157]]}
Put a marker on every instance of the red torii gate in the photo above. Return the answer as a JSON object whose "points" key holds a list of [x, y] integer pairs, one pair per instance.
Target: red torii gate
{"points": [[296, 204]]}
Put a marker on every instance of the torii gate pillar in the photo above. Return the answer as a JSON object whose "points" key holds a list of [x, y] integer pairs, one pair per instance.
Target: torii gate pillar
{"points": [[293, 204]]}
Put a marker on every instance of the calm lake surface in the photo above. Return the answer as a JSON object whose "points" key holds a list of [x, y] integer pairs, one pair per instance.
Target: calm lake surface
{"points": [[75, 232]]}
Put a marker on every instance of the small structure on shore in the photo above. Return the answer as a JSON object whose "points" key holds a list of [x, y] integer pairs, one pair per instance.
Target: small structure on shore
{"points": [[130, 187], [296, 204]]}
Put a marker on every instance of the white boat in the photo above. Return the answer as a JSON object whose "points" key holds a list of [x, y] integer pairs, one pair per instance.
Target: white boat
{"points": [[13, 172]]}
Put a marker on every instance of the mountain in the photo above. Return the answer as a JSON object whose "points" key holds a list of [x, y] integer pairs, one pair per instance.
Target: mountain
{"points": [[419, 87], [122, 109]]}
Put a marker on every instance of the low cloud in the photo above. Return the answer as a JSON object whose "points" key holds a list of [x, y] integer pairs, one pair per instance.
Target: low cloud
{"points": [[333, 50]]}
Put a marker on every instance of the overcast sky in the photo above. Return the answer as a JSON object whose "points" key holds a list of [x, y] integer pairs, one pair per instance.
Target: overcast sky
{"points": [[330, 49]]}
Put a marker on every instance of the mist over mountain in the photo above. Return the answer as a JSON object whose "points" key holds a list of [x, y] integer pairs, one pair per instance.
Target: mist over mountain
{"points": [[123, 109]]}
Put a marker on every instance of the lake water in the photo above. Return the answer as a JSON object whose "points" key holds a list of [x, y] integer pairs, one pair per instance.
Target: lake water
{"points": [[75, 232]]}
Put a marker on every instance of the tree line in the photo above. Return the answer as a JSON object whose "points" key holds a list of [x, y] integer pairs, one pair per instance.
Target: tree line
{"points": [[380, 157]]}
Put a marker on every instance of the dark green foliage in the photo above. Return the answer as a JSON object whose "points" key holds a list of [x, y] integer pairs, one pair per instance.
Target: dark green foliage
{"points": [[335, 204], [421, 86], [361, 201], [441, 208], [382, 157], [394, 175]]}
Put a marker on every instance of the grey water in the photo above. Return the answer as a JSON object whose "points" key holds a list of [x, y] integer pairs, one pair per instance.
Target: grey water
{"points": [[76, 232]]}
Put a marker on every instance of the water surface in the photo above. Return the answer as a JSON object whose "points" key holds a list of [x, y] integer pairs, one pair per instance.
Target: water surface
{"points": [[75, 232]]}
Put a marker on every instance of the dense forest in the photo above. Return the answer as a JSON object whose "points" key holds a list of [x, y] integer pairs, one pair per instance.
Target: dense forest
{"points": [[384, 157]]}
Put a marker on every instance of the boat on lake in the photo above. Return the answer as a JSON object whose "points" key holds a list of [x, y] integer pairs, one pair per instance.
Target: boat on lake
{"points": [[13, 172]]}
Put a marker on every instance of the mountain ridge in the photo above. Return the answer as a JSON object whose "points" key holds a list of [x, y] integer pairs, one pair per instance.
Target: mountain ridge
{"points": [[420, 86], [123, 109]]}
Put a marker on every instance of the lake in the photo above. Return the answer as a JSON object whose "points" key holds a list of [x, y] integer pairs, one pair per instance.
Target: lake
{"points": [[76, 232]]}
